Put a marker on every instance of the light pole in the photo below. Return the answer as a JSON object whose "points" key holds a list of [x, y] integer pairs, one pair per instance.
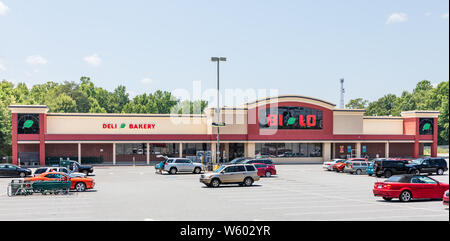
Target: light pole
{"points": [[218, 60]]}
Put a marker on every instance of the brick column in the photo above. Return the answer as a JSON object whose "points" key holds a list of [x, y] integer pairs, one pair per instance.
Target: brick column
{"points": [[15, 146], [434, 146], [42, 130]]}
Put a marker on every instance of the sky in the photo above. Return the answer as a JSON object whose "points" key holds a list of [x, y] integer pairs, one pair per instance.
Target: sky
{"points": [[297, 47]]}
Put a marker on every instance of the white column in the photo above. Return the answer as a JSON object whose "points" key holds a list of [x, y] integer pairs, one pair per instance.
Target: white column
{"points": [[386, 149], [181, 150], [326, 151], [114, 153], [79, 153], [148, 153], [251, 150], [358, 149]]}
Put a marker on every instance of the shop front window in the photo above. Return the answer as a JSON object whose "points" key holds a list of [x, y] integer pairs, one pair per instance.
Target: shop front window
{"points": [[165, 149], [280, 150]]}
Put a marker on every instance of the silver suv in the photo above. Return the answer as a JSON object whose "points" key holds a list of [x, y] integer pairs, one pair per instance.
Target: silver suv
{"points": [[244, 175], [174, 165]]}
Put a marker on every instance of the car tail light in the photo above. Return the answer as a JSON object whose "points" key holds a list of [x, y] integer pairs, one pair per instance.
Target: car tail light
{"points": [[387, 186]]}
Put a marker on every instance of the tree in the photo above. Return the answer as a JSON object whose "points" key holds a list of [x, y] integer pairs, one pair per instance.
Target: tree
{"points": [[358, 103], [64, 104]]}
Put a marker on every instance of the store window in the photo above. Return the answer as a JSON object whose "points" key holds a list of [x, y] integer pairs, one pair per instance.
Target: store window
{"points": [[191, 149], [280, 150], [165, 149]]}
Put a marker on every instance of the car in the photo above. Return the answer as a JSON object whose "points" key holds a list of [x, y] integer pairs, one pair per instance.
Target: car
{"points": [[238, 160], [262, 160], [329, 165], [445, 198], [356, 166], [79, 184], [86, 169], [428, 165], [369, 170], [10, 170], [41, 170], [407, 187], [244, 175], [389, 167], [175, 165], [265, 170], [339, 167]]}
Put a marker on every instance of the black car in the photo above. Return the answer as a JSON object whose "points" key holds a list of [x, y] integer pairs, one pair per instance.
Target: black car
{"points": [[265, 161], [389, 167], [9, 170], [237, 160], [86, 169], [428, 165]]}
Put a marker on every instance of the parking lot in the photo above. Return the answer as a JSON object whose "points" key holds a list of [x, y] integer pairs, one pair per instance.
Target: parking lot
{"points": [[298, 192]]}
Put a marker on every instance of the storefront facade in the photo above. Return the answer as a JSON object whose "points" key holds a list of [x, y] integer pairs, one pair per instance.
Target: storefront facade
{"points": [[284, 128]]}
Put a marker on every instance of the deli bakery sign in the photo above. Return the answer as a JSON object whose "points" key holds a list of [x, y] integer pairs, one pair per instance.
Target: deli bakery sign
{"points": [[131, 126]]}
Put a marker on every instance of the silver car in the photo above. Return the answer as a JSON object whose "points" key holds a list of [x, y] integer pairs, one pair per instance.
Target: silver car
{"points": [[174, 165], [244, 175]]}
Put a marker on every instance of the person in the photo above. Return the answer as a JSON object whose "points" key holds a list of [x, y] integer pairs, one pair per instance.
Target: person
{"points": [[75, 167]]}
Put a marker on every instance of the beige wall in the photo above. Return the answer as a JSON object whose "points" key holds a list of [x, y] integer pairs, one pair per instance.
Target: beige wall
{"points": [[94, 125], [347, 122], [386, 126]]}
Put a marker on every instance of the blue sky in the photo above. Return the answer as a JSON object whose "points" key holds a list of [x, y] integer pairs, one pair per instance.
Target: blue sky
{"points": [[297, 47]]}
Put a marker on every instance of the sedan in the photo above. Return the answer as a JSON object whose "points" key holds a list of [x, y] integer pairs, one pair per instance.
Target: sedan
{"points": [[78, 183], [265, 170], [339, 167], [9, 170], [329, 165], [407, 187]]}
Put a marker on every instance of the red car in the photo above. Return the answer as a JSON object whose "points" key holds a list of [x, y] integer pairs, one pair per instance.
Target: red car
{"points": [[408, 187], [445, 198], [265, 170], [339, 167], [80, 184]]}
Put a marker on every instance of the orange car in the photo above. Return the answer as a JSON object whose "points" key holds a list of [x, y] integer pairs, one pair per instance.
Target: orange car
{"points": [[80, 184], [339, 167]]}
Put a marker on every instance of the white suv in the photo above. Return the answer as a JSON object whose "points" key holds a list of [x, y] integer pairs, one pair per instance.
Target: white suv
{"points": [[174, 165]]}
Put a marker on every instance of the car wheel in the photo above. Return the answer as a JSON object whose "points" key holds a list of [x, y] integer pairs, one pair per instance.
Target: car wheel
{"points": [[417, 172], [369, 175], [387, 199], [80, 187], [197, 170], [358, 172], [215, 183], [387, 174], [405, 196], [268, 174], [173, 171], [248, 181], [22, 174], [440, 171]]}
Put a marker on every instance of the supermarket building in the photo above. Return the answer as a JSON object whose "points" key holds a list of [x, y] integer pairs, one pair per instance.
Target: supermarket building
{"points": [[286, 128]]}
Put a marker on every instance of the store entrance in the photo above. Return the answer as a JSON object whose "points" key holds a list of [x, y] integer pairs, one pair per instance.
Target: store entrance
{"points": [[236, 150]]}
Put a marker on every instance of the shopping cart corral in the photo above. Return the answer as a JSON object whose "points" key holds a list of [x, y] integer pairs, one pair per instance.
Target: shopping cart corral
{"points": [[20, 187]]}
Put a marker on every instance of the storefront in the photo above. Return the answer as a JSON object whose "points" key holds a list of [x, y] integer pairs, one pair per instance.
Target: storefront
{"points": [[284, 128]]}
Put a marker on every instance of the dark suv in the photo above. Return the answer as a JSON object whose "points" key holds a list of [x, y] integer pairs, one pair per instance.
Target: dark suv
{"points": [[428, 165], [389, 167], [264, 161]]}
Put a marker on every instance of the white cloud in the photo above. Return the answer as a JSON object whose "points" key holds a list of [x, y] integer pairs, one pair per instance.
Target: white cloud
{"points": [[427, 14], [3, 8], [146, 81], [36, 59], [2, 67], [93, 60], [397, 18], [445, 16]]}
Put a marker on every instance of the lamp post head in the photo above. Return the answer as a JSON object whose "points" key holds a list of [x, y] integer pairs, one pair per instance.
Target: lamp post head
{"points": [[218, 59]]}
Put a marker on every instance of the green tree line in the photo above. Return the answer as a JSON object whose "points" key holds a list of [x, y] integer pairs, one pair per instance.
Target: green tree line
{"points": [[85, 97], [424, 97]]}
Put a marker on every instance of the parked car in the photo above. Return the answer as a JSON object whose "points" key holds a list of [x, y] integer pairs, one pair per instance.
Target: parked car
{"points": [[175, 165], [41, 170], [244, 175], [356, 166], [369, 170], [409, 186], [10, 170], [390, 167], [238, 160], [329, 165], [265, 161], [86, 169], [445, 198], [79, 184], [339, 167], [265, 170], [428, 165]]}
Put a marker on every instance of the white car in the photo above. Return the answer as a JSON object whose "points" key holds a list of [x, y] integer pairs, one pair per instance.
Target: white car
{"points": [[174, 165], [329, 165], [58, 169]]}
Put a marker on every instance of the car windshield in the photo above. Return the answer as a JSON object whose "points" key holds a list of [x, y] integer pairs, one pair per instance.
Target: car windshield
{"points": [[418, 161], [394, 179], [219, 169]]}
